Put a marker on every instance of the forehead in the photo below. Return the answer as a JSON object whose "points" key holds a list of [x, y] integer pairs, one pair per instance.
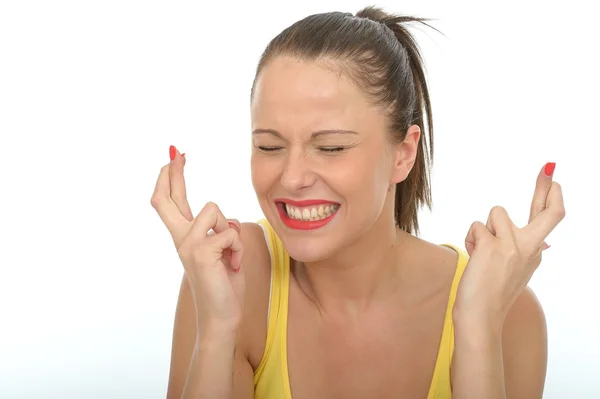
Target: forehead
{"points": [[308, 95]]}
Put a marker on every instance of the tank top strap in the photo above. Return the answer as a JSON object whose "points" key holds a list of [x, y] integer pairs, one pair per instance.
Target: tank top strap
{"points": [[271, 374], [441, 381], [463, 259], [461, 265]]}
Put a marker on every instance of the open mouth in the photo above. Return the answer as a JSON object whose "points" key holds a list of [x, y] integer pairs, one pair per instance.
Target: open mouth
{"points": [[307, 215]]}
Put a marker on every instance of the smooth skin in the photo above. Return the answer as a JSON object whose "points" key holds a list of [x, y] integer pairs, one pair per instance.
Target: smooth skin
{"points": [[367, 300]]}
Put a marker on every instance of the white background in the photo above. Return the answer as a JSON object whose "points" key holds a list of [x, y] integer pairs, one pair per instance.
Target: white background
{"points": [[93, 93]]}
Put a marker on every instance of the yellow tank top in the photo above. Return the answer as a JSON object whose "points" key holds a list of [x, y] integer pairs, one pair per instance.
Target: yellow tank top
{"points": [[271, 380]]}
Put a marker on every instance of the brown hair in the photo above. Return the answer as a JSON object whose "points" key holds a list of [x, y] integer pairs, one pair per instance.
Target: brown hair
{"points": [[378, 53]]}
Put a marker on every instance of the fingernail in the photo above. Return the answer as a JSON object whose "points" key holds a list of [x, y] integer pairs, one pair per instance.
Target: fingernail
{"points": [[545, 246], [183, 155], [237, 270], [549, 168], [172, 152], [234, 225]]}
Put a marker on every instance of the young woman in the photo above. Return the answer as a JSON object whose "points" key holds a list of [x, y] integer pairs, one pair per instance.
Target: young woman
{"points": [[333, 295]]}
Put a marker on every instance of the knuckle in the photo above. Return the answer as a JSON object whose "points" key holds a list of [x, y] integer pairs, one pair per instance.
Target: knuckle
{"points": [[156, 202], [211, 207], [481, 228], [510, 252], [493, 251], [475, 226], [497, 211], [165, 172], [560, 212], [533, 257]]}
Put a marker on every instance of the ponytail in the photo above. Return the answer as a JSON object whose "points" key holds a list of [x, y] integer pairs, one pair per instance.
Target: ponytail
{"points": [[415, 191]]}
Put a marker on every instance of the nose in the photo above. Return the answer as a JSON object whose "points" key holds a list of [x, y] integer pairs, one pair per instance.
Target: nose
{"points": [[297, 173]]}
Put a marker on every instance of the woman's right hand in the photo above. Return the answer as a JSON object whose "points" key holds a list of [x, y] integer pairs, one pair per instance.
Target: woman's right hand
{"points": [[209, 247]]}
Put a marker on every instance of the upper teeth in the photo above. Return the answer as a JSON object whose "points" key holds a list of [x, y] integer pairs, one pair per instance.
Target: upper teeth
{"points": [[311, 213]]}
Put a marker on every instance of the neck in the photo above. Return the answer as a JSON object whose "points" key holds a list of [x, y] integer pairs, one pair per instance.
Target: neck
{"points": [[363, 273]]}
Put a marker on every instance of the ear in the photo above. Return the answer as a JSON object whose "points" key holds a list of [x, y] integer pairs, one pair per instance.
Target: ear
{"points": [[405, 154]]}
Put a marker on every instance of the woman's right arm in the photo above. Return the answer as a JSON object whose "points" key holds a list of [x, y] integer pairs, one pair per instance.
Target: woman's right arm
{"points": [[200, 366], [208, 349]]}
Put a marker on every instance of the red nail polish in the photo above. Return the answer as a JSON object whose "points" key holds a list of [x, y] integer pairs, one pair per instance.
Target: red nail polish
{"points": [[172, 152], [549, 168]]}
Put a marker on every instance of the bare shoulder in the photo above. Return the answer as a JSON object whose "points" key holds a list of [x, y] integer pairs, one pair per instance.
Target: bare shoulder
{"points": [[525, 324], [256, 250], [257, 263], [525, 347], [257, 269], [436, 264]]}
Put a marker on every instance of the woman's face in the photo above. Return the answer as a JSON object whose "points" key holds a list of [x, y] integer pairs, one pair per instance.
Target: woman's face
{"points": [[322, 163]]}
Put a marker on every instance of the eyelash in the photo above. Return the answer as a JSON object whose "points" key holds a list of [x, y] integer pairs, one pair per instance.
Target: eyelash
{"points": [[332, 149], [324, 149]]}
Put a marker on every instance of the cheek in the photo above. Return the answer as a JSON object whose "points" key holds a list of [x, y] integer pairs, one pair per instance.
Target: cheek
{"points": [[261, 170], [360, 178], [255, 169]]}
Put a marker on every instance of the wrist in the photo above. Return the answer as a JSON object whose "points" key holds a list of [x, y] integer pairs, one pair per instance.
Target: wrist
{"points": [[216, 327], [476, 329], [208, 341]]}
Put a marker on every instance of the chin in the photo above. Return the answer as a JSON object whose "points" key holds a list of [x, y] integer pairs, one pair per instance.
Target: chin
{"points": [[308, 245], [310, 249]]}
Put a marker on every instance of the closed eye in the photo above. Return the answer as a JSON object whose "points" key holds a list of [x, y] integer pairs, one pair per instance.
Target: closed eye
{"points": [[332, 149], [269, 149]]}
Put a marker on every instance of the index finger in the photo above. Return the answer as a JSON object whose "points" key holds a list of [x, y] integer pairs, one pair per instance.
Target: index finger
{"points": [[542, 187], [545, 221]]}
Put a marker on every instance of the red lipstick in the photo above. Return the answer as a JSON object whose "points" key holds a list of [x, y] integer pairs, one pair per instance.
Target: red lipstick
{"points": [[303, 224]]}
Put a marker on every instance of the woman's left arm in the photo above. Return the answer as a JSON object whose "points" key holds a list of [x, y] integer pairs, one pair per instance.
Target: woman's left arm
{"points": [[500, 343], [510, 363]]}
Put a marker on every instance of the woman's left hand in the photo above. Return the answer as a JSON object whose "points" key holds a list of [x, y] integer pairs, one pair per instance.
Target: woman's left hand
{"points": [[503, 257]]}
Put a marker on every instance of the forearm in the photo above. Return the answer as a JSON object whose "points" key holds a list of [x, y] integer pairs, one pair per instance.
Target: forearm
{"points": [[477, 366], [211, 369]]}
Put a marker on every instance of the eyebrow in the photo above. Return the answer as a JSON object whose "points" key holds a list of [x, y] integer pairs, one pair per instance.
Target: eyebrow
{"points": [[314, 135]]}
